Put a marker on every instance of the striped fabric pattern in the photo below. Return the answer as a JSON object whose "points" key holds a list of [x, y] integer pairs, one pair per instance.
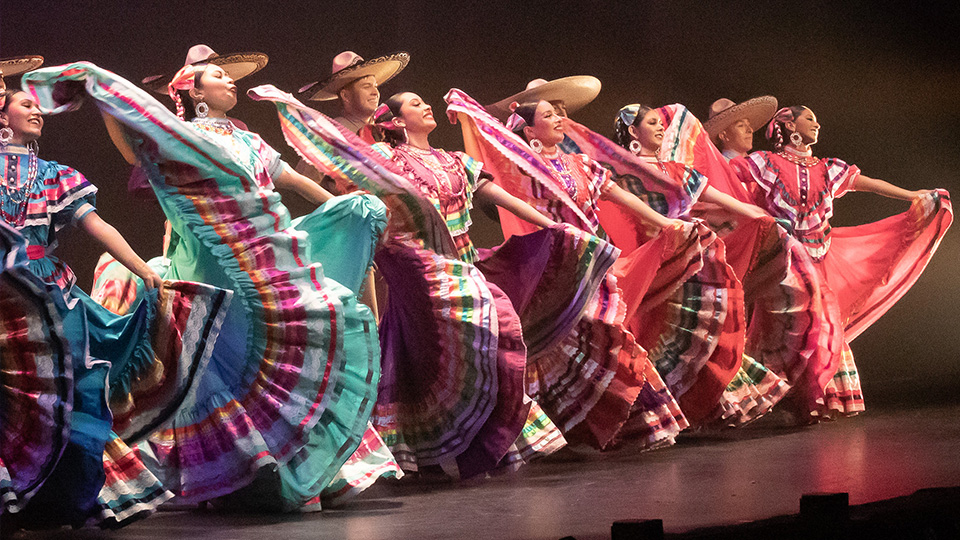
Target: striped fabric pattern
{"points": [[658, 190], [36, 378], [594, 382], [293, 384]]}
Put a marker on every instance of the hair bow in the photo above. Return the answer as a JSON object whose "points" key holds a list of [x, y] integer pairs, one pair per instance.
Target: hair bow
{"points": [[627, 114], [783, 115], [183, 80]]}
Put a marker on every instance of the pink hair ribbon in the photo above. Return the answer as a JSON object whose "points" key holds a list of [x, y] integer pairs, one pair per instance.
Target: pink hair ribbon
{"points": [[183, 80]]}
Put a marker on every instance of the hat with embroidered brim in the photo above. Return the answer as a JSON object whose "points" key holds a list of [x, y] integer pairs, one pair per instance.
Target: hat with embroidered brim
{"points": [[575, 92], [236, 65], [17, 65], [724, 112], [349, 66]]}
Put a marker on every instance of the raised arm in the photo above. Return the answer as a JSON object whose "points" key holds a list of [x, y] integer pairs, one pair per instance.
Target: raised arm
{"points": [[303, 186], [499, 196], [117, 246], [636, 206], [873, 185]]}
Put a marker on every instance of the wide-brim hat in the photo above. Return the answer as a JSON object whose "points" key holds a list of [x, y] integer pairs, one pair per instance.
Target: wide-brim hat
{"points": [[723, 112], [349, 66], [576, 92], [18, 65], [236, 65]]}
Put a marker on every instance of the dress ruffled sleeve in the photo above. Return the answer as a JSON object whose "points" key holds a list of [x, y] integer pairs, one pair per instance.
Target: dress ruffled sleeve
{"points": [[600, 177], [473, 168], [841, 177], [70, 196]]}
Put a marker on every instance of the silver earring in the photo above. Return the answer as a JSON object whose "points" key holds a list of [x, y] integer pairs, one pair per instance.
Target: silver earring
{"points": [[6, 135], [796, 139], [536, 145], [635, 147], [202, 109]]}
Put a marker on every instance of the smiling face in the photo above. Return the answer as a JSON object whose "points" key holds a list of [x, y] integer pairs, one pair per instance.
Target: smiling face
{"points": [[738, 137], [361, 97], [806, 125], [648, 132], [22, 114], [216, 89], [547, 125], [415, 115]]}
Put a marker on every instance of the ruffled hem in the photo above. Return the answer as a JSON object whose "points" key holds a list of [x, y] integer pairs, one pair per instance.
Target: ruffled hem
{"points": [[550, 277], [451, 394], [842, 395], [34, 356], [696, 336], [370, 462], [753, 393], [130, 492]]}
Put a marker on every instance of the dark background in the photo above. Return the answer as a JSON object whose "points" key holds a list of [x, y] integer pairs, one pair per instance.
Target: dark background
{"points": [[885, 85]]}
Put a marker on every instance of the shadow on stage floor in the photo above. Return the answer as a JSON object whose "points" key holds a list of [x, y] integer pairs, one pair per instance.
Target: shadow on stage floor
{"points": [[740, 479]]}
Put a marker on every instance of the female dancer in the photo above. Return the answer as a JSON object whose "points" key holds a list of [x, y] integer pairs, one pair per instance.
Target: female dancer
{"points": [[627, 399], [780, 287], [143, 362], [864, 269], [290, 386], [474, 301]]}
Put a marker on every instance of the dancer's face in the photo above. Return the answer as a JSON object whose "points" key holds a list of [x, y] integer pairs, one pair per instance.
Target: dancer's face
{"points": [[738, 137], [806, 125], [361, 97], [22, 115], [216, 89], [649, 132], [547, 125], [416, 115]]}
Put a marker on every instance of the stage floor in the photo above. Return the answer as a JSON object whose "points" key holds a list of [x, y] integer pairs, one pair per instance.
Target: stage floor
{"points": [[742, 475]]}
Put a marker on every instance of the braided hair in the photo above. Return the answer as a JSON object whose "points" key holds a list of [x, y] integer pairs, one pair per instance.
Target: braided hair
{"points": [[778, 125], [384, 129]]}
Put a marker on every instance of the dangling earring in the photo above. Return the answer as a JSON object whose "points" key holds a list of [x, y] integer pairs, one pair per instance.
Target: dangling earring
{"points": [[635, 147], [6, 135], [796, 139], [536, 145], [201, 109]]}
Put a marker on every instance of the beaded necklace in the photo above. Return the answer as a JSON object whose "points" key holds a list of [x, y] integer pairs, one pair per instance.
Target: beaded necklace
{"points": [[20, 195], [805, 161], [220, 126], [445, 169], [566, 176]]}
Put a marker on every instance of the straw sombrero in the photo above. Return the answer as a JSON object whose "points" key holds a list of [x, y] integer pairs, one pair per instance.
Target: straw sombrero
{"points": [[237, 66], [349, 66], [576, 92], [724, 112], [18, 65]]}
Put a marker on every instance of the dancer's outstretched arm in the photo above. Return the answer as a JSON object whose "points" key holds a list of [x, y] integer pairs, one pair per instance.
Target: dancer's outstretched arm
{"points": [[514, 205], [721, 199], [303, 186], [117, 246], [880, 187], [634, 204]]}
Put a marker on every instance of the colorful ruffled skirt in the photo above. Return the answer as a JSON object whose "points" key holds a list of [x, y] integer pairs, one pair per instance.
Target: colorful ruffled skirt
{"points": [[144, 360]]}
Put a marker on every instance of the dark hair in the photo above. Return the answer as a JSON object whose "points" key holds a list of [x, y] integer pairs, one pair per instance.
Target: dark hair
{"points": [[780, 125], [189, 113], [527, 111], [621, 130], [8, 94], [393, 137]]}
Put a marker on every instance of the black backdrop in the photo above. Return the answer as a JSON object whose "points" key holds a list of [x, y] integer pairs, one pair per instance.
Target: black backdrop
{"points": [[884, 84]]}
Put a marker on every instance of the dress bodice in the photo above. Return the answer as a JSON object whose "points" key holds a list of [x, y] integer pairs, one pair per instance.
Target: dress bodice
{"points": [[38, 199]]}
